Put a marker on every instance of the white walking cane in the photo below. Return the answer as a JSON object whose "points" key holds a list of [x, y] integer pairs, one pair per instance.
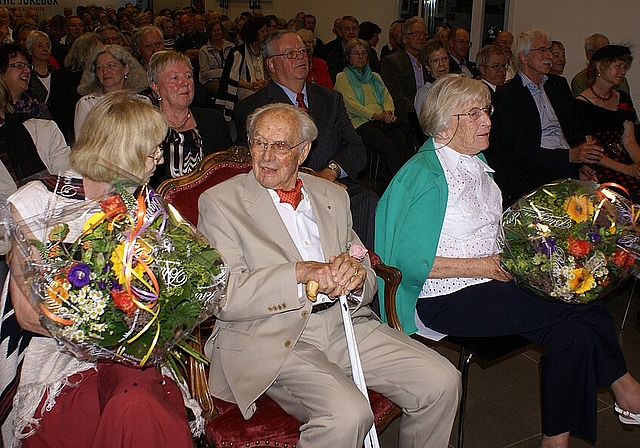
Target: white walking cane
{"points": [[371, 440]]}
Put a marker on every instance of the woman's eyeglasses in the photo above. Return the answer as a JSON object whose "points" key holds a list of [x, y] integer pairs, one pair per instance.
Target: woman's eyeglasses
{"points": [[157, 155], [476, 112], [20, 66]]}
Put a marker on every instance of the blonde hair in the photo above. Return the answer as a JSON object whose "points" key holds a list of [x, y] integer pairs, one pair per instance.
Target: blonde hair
{"points": [[117, 137], [159, 61], [80, 50]]}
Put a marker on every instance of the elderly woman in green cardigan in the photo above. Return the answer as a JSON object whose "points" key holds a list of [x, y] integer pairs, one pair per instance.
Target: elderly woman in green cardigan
{"points": [[439, 221]]}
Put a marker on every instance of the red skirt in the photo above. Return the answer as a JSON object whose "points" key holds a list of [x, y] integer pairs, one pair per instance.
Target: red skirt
{"points": [[115, 406]]}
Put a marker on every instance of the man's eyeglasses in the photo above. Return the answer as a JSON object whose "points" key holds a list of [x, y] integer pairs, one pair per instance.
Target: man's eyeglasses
{"points": [[543, 49], [281, 148], [417, 34], [498, 66], [465, 43], [476, 112], [20, 66], [293, 54]]}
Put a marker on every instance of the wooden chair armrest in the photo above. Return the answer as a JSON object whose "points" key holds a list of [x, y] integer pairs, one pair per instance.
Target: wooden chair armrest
{"points": [[391, 277], [198, 381]]}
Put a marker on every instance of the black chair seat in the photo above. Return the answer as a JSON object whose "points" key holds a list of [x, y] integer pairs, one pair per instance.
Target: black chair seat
{"points": [[490, 348]]}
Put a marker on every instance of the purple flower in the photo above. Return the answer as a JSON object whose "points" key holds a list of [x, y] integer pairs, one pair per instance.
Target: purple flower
{"points": [[79, 275], [595, 237], [546, 246]]}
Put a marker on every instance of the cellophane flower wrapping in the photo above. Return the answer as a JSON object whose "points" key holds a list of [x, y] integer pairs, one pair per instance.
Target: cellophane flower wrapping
{"points": [[132, 286], [571, 240]]}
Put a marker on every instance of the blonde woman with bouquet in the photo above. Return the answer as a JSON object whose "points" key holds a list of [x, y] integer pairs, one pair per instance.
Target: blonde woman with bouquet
{"points": [[62, 400]]}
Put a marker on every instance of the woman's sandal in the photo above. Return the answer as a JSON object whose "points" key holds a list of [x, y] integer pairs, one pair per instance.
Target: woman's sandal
{"points": [[627, 417]]}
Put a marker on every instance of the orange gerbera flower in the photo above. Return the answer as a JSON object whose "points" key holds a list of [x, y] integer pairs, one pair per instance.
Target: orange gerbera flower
{"points": [[57, 292], [579, 208]]}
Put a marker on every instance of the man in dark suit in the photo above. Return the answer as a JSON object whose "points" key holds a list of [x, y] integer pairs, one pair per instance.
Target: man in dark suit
{"points": [[535, 134], [404, 74], [280, 230], [338, 154], [459, 44], [349, 29], [74, 28]]}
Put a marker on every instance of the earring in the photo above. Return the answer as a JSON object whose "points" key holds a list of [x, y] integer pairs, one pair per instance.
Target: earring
{"points": [[126, 76]]}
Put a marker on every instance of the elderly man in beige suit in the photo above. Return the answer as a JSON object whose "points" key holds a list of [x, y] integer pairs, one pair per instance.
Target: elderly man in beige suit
{"points": [[271, 338]]}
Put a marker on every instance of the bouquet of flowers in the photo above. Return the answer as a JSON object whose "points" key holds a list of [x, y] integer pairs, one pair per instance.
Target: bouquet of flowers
{"points": [[131, 287], [571, 240]]}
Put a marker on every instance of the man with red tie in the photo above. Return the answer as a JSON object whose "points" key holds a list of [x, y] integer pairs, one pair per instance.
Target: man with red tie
{"points": [[280, 230], [338, 153]]}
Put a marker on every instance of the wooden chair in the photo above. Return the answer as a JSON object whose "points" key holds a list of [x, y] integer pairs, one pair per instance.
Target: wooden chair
{"points": [[270, 425]]}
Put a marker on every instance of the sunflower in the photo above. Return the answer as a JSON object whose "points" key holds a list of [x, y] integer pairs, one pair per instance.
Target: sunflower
{"points": [[92, 221], [117, 258], [579, 208], [582, 281]]}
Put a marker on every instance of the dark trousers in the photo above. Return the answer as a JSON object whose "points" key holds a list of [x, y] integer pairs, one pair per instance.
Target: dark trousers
{"points": [[581, 346], [363, 210], [390, 144]]}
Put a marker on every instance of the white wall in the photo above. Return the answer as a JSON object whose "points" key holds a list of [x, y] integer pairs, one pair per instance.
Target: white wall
{"points": [[571, 21]]}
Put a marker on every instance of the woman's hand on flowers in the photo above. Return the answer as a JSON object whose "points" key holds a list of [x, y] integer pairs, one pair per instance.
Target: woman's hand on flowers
{"points": [[494, 268]]}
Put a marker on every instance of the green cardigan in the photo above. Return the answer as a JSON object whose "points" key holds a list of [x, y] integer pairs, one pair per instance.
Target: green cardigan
{"points": [[409, 220]]}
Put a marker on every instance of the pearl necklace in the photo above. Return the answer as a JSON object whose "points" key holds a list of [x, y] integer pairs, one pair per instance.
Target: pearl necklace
{"points": [[184, 123], [601, 98]]}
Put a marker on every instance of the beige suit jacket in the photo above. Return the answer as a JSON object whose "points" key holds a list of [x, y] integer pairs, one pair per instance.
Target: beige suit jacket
{"points": [[264, 312]]}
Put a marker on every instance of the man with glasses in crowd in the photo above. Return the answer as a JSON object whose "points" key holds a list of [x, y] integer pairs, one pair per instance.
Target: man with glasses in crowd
{"points": [[535, 134], [338, 153], [492, 65], [504, 40], [404, 74], [459, 45], [281, 230]]}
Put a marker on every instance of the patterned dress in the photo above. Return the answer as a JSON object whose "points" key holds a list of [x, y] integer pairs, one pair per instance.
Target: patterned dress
{"points": [[607, 126]]}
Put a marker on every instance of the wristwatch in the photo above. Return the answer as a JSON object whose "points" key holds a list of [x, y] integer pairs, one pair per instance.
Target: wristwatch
{"points": [[336, 168]]}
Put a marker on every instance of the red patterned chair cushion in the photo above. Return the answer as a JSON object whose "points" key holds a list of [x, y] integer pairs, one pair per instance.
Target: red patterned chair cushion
{"points": [[271, 426]]}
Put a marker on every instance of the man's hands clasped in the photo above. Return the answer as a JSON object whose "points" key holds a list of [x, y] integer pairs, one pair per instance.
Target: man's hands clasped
{"points": [[342, 274]]}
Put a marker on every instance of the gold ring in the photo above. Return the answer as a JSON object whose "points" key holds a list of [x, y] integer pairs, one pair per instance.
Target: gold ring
{"points": [[352, 277], [356, 268]]}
